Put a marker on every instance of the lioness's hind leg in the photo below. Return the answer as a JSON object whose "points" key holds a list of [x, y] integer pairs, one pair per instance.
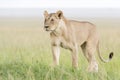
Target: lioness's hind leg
{"points": [[83, 46], [93, 66], [89, 50]]}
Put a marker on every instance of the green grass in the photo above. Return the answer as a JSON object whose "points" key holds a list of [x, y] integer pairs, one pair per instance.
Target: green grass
{"points": [[25, 54]]}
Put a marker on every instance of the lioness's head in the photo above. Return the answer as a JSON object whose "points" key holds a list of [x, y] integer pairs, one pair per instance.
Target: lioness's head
{"points": [[51, 21]]}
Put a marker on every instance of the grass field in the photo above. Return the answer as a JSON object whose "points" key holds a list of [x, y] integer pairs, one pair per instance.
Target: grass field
{"points": [[25, 54]]}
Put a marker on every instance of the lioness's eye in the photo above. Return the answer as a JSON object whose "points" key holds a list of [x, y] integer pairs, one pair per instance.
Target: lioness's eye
{"points": [[52, 20]]}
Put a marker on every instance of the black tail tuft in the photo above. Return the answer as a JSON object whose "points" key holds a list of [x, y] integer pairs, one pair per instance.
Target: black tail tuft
{"points": [[111, 55]]}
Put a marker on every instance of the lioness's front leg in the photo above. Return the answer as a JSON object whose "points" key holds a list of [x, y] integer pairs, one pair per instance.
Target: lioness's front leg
{"points": [[56, 54], [75, 56]]}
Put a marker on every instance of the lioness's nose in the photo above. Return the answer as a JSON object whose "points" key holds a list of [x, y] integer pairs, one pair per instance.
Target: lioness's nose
{"points": [[46, 26]]}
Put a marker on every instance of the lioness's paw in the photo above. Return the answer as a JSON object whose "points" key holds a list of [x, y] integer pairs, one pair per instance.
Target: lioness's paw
{"points": [[93, 67]]}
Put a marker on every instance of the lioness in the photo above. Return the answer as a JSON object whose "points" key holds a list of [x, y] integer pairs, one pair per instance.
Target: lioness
{"points": [[71, 34]]}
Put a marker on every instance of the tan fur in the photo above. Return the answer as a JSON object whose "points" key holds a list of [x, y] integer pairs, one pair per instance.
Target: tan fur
{"points": [[71, 34]]}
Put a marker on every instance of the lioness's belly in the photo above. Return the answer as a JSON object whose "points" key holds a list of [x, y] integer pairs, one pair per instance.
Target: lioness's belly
{"points": [[81, 39], [82, 31]]}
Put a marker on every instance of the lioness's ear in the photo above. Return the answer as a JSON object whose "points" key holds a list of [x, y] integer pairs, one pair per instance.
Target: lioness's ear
{"points": [[59, 14], [45, 13]]}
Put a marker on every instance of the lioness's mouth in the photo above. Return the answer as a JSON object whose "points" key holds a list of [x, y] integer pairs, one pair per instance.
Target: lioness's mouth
{"points": [[47, 29]]}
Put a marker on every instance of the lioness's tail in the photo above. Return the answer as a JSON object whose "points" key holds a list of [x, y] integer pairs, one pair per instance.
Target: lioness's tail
{"points": [[101, 58]]}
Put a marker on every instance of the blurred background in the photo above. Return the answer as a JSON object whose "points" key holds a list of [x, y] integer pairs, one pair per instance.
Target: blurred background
{"points": [[33, 17], [27, 11]]}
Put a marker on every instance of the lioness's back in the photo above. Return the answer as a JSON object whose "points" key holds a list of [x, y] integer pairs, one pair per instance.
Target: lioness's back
{"points": [[82, 23], [82, 29]]}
